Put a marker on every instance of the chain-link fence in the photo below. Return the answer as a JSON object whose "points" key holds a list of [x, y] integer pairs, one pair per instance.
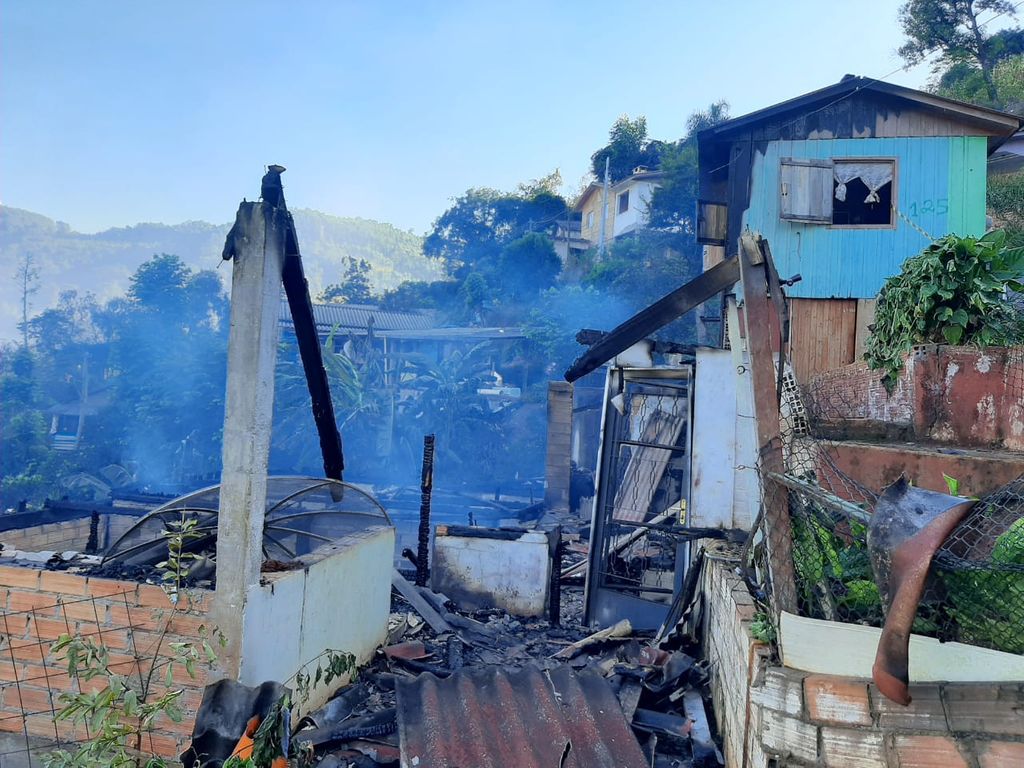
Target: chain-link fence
{"points": [[830, 425]]}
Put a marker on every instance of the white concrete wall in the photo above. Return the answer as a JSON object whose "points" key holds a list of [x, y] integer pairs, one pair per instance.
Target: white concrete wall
{"points": [[476, 572], [723, 491], [639, 198], [340, 601]]}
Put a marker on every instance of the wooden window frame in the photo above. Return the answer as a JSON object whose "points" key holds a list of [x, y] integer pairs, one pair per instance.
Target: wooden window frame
{"points": [[893, 216]]}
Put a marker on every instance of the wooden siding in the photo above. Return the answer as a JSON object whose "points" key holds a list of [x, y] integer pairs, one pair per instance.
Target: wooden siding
{"points": [[822, 335], [939, 187]]}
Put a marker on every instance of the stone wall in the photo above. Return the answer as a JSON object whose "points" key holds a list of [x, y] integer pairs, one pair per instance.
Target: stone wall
{"points": [[769, 715]]}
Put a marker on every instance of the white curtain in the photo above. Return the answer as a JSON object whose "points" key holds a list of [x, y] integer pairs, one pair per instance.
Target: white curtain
{"points": [[874, 176]]}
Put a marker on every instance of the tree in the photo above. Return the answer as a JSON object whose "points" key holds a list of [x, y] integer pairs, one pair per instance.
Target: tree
{"points": [[673, 204], [628, 147], [528, 266], [470, 235], [27, 278], [354, 287], [952, 28]]}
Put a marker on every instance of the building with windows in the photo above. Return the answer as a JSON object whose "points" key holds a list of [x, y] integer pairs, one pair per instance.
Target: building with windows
{"points": [[845, 183], [627, 201]]}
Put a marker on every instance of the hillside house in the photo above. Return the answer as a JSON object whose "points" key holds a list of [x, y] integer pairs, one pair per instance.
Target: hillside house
{"points": [[845, 183], [627, 212]]}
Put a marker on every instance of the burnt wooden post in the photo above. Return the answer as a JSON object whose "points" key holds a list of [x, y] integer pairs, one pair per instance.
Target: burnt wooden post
{"points": [[426, 489], [757, 309]]}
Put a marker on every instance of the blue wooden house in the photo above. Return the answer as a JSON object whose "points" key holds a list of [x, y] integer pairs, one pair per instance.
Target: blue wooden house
{"points": [[845, 183]]}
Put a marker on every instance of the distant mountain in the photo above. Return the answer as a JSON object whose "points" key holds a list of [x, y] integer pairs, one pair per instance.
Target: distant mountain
{"points": [[103, 262]]}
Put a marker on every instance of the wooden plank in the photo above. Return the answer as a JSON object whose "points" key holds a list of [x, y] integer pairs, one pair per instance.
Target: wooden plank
{"points": [[865, 318], [848, 650], [647, 465], [661, 313], [756, 309], [419, 603], [822, 335]]}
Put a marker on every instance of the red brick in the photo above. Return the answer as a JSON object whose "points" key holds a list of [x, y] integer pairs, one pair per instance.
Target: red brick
{"points": [[152, 596], [12, 576], [111, 588], [88, 611], [928, 752], [1000, 754], [49, 629], [21, 601], [63, 583], [26, 698], [11, 722], [837, 700]]}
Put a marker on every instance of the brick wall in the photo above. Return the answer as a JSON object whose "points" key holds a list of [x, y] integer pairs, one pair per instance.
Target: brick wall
{"points": [[134, 621], [771, 715], [557, 469], [960, 396], [67, 534]]}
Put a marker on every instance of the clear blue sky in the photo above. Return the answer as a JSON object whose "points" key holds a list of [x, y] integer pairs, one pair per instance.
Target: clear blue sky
{"points": [[115, 112]]}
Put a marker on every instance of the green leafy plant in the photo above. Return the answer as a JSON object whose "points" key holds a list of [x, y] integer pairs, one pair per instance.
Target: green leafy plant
{"points": [[953, 292], [331, 665], [118, 713], [986, 602], [762, 628]]}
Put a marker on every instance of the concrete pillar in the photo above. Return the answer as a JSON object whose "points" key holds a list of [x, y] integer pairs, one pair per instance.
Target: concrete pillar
{"points": [[558, 464], [259, 240]]}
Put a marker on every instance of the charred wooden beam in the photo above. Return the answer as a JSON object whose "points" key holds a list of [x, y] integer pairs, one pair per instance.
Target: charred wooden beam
{"points": [[296, 288], [757, 309], [588, 337], [659, 314]]}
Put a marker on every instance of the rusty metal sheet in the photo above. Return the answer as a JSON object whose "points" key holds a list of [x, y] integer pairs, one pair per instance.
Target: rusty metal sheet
{"points": [[491, 718]]}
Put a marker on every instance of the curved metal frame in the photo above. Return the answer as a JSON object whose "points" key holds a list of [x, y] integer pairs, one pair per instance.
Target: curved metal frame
{"points": [[180, 506]]}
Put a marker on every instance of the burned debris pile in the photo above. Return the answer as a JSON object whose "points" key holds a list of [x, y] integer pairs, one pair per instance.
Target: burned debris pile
{"points": [[486, 688]]}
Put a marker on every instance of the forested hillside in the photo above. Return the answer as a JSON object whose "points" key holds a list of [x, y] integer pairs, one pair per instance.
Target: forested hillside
{"points": [[101, 263]]}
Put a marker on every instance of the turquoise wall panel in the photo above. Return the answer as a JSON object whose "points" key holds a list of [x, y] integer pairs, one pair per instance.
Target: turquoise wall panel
{"points": [[940, 188]]}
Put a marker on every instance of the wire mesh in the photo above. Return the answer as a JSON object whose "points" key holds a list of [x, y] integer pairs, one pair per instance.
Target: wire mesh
{"points": [[975, 591], [36, 683]]}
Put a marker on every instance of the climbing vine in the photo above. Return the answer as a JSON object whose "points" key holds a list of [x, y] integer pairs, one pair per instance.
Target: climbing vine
{"points": [[953, 292]]}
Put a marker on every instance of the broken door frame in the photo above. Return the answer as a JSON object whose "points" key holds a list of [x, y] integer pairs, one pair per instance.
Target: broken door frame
{"points": [[604, 604]]}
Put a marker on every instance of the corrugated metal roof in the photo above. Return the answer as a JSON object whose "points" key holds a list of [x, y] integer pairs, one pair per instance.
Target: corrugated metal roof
{"points": [[356, 317], [490, 718], [457, 334]]}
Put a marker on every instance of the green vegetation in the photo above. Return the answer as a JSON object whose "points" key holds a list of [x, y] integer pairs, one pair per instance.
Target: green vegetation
{"points": [[986, 604], [953, 292], [973, 64]]}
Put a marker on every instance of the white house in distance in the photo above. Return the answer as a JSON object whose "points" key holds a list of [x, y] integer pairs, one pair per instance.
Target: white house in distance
{"points": [[628, 200]]}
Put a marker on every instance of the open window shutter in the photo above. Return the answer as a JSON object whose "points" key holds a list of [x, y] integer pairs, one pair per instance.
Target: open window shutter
{"points": [[805, 190]]}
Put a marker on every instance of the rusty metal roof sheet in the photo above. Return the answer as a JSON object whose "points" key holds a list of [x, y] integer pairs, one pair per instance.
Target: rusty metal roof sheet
{"points": [[490, 718]]}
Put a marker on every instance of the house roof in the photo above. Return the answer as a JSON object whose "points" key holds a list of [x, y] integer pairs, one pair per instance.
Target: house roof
{"points": [[356, 318], [1001, 125], [585, 195], [1009, 158], [455, 334]]}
